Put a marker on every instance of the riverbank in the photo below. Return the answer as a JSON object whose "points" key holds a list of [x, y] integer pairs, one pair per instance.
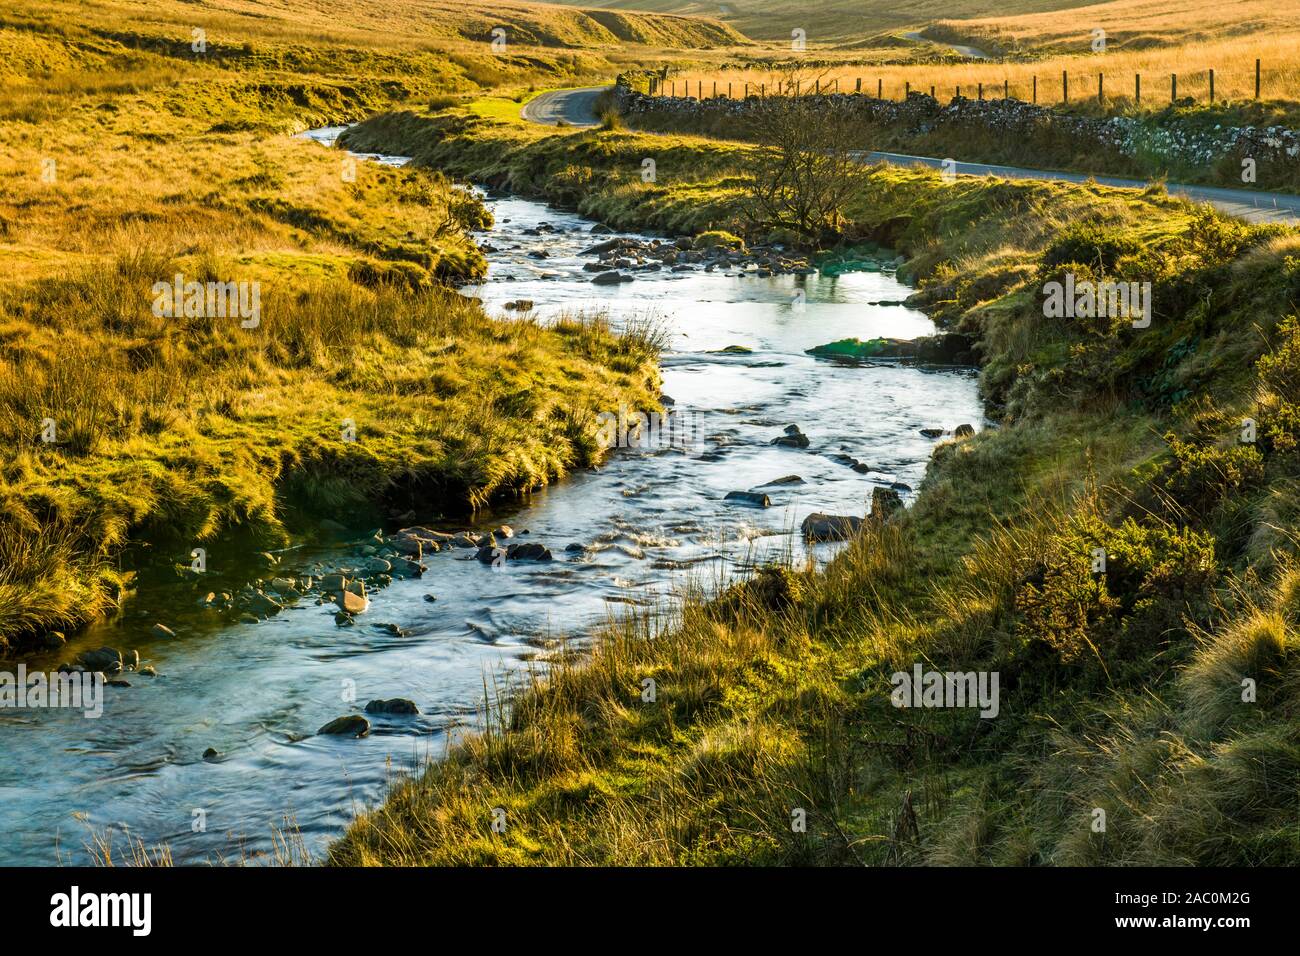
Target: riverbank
{"points": [[1118, 553], [324, 368]]}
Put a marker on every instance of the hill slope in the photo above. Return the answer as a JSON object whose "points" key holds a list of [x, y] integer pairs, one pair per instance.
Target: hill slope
{"points": [[830, 20], [416, 21]]}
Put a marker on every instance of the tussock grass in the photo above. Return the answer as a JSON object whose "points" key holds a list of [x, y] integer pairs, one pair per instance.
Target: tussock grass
{"points": [[192, 429]]}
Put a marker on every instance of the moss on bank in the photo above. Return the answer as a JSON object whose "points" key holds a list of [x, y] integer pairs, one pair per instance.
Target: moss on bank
{"points": [[1163, 691]]}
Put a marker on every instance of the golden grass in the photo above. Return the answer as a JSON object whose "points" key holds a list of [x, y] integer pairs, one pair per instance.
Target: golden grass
{"points": [[1232, 59], [1128, 24], [129, 158], [829, 21]]}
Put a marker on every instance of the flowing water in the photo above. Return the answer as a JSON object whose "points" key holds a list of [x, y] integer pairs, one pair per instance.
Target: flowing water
{"points": [[651, 520]]}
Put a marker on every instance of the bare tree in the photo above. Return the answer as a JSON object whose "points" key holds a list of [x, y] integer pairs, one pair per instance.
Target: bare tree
{"points": [[807, 163]]}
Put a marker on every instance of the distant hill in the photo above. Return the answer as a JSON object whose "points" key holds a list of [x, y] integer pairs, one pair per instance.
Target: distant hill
{"points": [[1129, 24], [526, 23], [832, 20]]}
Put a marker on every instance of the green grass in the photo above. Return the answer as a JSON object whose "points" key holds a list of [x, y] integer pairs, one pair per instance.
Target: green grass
{"points": [[171, 433], [1120, 692]]}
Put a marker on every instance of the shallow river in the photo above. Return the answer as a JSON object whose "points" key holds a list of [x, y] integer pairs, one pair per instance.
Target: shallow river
{"points": [[256, 693]]}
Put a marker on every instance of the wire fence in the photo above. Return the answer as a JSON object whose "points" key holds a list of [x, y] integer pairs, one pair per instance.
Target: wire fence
{"points": [[1066, 88]]}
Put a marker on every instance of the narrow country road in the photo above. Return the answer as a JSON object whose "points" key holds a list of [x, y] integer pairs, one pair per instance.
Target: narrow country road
{"points": [[577, 108], [1248, 204], [974, 52]]}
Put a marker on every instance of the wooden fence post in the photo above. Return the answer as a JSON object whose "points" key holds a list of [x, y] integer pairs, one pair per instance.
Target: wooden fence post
{"points": [[980, 93], [1035, 87], [1137, 87], [880, 89], [1006, 88], [858, 88], [1173, 87], [1065, 87], [1101, 97], [1211, 86], [1257, 79]]}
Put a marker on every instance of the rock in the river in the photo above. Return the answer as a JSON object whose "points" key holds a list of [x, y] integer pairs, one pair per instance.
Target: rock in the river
{"points": [[755, 498], [53, 640], [352, 603], [263, 606], [612, 277], [609, 245], [963, 431], [531, 551], [824, 527], [787, 480], [408, 569], [211, 754], [932, 432], [398, 705], [161, 630], [408, 545], [885, 502], [793, 438], [106, 659], [519, 305], [333, 582], [354, 725], [131, 660], [431, 598]]}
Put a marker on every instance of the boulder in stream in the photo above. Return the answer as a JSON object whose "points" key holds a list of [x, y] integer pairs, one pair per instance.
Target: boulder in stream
{"points": [[824, 527], [354, 725], [106, 659], [793, 438], [756, 498], [398, 706]]}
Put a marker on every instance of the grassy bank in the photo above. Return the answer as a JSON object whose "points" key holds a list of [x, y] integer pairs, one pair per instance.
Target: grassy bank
{"points": [[1148, 712], [134, 153]]}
